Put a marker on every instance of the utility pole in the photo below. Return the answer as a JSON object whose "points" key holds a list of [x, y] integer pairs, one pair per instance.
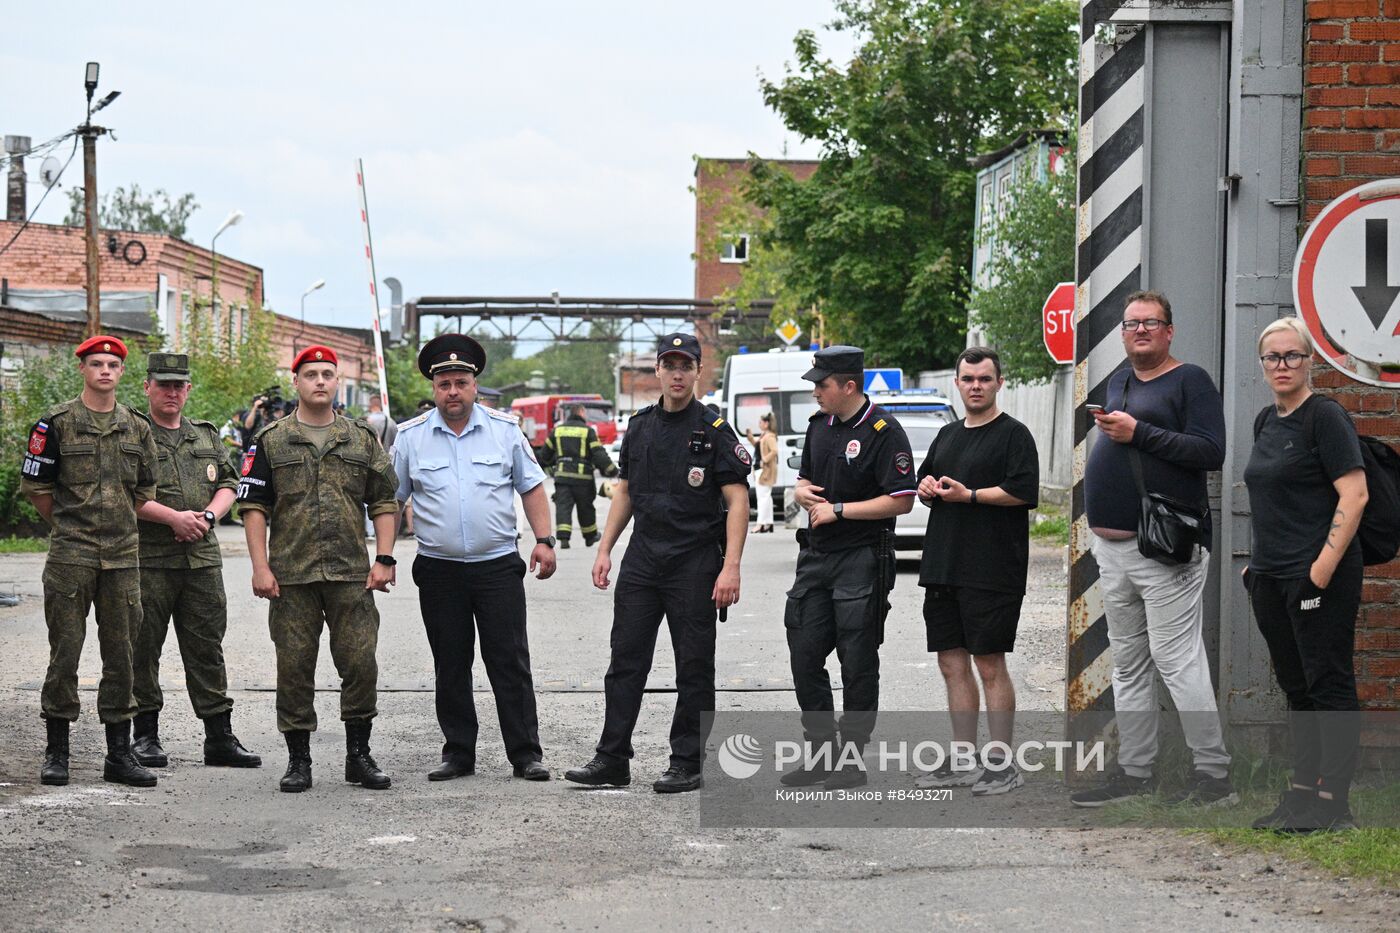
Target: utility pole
{"points": [[89, 133]]}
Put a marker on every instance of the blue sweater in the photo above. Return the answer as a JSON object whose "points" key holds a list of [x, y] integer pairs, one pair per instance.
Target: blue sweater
{"points": [[1180, 435]]}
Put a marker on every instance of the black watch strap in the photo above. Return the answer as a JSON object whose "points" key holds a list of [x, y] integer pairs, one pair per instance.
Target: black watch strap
{"points": [[548, 540], [386, 559], [210, 517]]}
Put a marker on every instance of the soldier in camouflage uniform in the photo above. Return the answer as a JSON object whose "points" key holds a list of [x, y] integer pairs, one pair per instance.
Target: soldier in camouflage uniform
{"points": [[184, 576], [89, 465], [309, 476]]}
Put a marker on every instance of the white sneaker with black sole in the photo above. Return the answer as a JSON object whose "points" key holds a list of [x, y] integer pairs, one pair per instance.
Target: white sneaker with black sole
{"points": [[1002, 780], [946, 776]]}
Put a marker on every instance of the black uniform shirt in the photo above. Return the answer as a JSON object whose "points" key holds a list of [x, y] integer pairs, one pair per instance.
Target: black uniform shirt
{"points": [[863, 458], [675, 464]]}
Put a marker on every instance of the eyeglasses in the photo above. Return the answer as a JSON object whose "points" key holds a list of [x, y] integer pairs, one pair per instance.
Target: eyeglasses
{"points": [[1150, 324], [1290, 360]]}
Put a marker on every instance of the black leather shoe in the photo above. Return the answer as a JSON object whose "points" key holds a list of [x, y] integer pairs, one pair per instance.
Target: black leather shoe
{"points": [[120, 766], [145, 740], [360, 766], [221, 746], [452, 768], [532, 771], [55, 769], [600, 771], [298, 776], [678, 781]]}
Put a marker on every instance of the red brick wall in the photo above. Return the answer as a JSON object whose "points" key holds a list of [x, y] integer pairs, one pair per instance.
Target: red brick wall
{"points": [[1351, 135]]}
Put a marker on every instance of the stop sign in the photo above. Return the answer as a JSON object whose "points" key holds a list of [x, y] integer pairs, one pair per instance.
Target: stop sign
{"points": [[1057, 323]]}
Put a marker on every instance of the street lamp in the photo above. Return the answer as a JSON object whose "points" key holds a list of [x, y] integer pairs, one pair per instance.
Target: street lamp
{"points": [[319, 283], [229, 221]]}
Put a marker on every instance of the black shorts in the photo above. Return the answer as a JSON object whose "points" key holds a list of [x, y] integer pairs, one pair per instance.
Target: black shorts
{"points": [[981, 621]]}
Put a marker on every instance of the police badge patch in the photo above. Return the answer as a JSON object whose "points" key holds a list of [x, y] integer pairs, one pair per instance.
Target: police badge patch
{"points": [[211, 472], [743, 454], [696, 476], [248, 459], [903, 463], [853, 450]]}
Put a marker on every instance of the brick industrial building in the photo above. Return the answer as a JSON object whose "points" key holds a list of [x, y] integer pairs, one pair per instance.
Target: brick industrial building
{"points": [[147, 281]]}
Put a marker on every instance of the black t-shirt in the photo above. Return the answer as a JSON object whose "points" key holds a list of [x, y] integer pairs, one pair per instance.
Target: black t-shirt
{"points": [[675, 464], [1180, 435], [864, 458], [986, 547], [1289, 477]]}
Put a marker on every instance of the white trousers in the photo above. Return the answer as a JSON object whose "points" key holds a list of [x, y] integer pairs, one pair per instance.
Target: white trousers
{"points": [[765, 503], [1154, 618]]}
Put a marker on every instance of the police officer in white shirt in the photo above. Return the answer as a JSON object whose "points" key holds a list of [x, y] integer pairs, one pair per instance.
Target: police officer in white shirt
{"points": [[463, 463]]}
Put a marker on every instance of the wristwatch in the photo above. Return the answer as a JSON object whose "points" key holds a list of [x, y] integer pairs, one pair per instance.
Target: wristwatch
{"points": [[547, 540], [386, 559], [210, 517], [838, 508]]}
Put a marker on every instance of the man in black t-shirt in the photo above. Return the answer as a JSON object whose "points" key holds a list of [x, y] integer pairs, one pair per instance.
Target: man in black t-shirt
{"points": [[857, 474], [980, 480]]}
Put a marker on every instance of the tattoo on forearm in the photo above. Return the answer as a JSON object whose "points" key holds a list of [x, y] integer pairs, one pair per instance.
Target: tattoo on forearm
{"points": [[1338, 517]]}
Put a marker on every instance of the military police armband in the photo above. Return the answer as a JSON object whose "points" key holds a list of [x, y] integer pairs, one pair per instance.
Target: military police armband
{"points": [[41, 454]]}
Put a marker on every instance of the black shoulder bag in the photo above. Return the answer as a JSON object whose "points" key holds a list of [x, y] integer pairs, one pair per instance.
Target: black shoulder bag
{"points": [[1168, 529]]}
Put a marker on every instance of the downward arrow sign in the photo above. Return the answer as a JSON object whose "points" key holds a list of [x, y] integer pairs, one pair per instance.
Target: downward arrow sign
{"points": [[1377, 295]]}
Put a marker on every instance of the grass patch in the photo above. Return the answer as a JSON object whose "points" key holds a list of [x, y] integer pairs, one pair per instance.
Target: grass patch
{"points": [[17, 545], [1372, 851], [1050, 526]]}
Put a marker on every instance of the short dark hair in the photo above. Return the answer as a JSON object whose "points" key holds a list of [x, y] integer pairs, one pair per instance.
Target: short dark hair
{"points": [[1156, 298], [975, 355]]}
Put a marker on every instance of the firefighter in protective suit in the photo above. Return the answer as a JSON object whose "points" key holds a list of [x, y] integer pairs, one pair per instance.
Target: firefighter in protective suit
{"points": [[574, 453]]}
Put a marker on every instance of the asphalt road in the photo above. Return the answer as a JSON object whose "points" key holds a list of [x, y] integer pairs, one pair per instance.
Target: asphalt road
{"points": [[217, 849]]}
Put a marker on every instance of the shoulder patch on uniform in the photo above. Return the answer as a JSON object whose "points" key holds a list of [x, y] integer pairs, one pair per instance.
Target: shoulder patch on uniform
{"points": [[203, 423], [717, 422], [879, 425], [646, 410], [500, 415], [144, 416], [416, 420], [268, 427]]}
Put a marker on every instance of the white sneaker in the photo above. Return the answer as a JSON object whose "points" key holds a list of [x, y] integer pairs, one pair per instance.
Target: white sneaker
{"points": [[1002, 781], [945, 776]]}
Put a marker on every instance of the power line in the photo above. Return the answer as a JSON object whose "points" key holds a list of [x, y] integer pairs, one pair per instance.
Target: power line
{"points": [[42, 197]]}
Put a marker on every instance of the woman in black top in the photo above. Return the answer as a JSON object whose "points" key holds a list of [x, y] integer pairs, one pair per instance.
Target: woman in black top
{"points": [[1307, 490]]}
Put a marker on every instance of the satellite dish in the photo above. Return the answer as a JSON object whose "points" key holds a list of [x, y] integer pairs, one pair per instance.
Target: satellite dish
{"points": [[48, 171]]}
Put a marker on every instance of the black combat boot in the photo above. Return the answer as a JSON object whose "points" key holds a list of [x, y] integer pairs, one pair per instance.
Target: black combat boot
{"points": [[145, 740], [563, 544], [120, 766], [298, 776], [221, 746], [360, 766], [55, 770], [590, 539]]}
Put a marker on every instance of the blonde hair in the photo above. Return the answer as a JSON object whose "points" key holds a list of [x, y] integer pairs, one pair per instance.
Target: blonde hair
{"points": [[1290, 323]]}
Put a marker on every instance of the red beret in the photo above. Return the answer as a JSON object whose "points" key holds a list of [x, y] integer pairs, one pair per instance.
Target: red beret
{"points": [[315, 354], [101, 344]]}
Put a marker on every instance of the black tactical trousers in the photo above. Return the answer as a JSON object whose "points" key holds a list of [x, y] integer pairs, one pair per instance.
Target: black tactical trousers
{"points": [[831, 608], [682, 593], [452, 595], [567, 494]]}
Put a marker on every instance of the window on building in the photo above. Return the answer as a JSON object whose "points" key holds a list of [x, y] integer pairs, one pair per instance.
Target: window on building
{"points": [[735, 250]]}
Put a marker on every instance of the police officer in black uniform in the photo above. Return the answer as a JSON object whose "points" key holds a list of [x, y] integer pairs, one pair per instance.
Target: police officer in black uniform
{"points": [[857, 474], [681, 468]]}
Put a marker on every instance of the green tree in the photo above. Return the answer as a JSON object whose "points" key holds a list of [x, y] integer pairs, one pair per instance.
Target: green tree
{"points": [[135, 210], [1033, 245], [879, 240]]}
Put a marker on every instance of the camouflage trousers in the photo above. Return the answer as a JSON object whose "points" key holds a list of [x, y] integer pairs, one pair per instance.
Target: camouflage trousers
{"points": [[295, 620], [69, 592], [195, 598]]}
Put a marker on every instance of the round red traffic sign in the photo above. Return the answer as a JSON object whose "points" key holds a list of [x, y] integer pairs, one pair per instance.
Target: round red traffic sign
{"points": [[1342, 282], [1057, 323]]}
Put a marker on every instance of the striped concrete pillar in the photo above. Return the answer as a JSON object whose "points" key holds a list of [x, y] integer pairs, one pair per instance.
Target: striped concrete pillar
{"points": [[1108, 267]]}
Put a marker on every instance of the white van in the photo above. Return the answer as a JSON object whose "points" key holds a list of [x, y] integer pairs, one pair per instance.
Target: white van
{"points": [[758, 383]]}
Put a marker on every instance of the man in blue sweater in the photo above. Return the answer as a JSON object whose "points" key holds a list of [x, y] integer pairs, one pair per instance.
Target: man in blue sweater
{"points": [[1168, 414]]}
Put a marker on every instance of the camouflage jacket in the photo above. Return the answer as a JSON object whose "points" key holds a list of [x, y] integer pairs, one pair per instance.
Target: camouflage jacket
{"points": [[187, 476], [97, 479], [314, 499]]}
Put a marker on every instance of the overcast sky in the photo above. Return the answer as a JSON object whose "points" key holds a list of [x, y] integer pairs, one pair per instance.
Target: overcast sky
{"points": [[509, 149]]}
